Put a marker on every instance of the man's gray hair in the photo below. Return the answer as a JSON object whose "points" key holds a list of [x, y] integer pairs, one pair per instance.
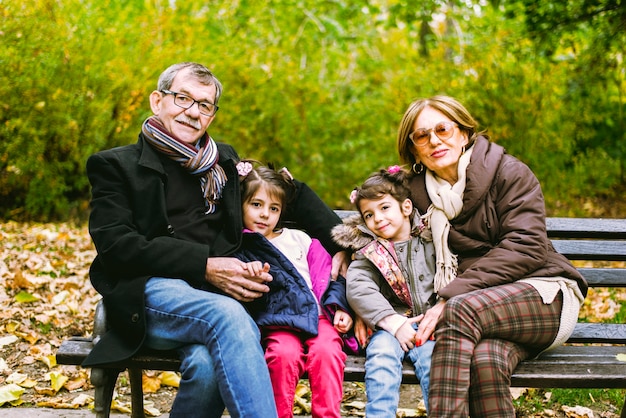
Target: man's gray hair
{"points": [[199, 71]]}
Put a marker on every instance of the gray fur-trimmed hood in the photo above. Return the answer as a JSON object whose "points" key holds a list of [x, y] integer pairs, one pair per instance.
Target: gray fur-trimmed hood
{"points": [[354, 235]]}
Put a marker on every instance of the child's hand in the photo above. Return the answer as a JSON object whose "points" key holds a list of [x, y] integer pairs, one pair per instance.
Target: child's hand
{"points": [[257, 268], [361, 332], [406, 335], [342, 321]]}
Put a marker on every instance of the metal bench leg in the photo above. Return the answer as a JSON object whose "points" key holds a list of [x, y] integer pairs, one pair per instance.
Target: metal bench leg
{"points": [[136, 389], [104, 383]]}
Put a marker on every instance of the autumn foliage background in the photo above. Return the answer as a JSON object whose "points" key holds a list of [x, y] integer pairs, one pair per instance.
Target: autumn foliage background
{"points": [[317, 86]]}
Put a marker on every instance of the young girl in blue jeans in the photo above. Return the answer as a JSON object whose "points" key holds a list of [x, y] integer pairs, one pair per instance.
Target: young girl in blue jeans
{"points": [[305, 314], [390, 285]]}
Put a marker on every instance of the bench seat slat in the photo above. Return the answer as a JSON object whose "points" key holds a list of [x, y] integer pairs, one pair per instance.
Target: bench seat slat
{"points": [[599, 333], [73, 351], [566, 366]]}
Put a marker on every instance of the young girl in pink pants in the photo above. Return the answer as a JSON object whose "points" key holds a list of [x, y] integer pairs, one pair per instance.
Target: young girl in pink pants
{"points": [[305, 314]]}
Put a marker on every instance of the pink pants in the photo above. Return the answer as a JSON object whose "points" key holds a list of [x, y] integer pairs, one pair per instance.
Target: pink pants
{"points": [[289, 355]]}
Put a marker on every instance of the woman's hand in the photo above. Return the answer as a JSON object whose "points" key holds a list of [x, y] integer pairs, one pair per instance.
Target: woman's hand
{"points": [[361, 332], [428, 323]]}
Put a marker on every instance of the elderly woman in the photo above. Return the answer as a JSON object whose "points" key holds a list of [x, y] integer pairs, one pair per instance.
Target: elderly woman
{"points": [[505, 293]]}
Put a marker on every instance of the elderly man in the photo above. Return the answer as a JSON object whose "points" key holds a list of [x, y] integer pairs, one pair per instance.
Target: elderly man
{"points": [[165, 215]]}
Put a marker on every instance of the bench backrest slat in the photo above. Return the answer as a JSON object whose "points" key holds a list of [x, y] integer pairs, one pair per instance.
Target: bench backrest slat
{"points": [[604, 277], [609, 250], [596, 228]]}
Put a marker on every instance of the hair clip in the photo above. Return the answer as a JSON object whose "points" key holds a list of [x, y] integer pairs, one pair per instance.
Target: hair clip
{"points": [[353, 195], [244, 168], [393, 169], [284, 170]]}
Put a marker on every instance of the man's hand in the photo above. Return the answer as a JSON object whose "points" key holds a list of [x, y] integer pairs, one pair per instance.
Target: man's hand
{"points": [[243, 281], [342, 321], [340, 264]]}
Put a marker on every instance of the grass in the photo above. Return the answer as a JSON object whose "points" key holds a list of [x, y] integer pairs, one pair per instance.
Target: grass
{"points": [[536, 401]]}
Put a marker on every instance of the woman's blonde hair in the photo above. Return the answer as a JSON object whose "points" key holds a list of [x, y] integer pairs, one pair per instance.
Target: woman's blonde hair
{"points": [[447, 105]]}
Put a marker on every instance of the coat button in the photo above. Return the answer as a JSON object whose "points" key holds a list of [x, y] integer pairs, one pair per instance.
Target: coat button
{"points": [[170, 229], [134, 317], [421, 278]]}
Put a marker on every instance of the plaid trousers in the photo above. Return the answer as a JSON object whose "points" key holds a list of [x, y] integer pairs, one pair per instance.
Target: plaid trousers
{"points": [[481, 337]]}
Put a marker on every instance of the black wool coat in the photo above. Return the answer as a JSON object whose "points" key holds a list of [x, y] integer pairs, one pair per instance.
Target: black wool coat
{"points": [[134, 239]]}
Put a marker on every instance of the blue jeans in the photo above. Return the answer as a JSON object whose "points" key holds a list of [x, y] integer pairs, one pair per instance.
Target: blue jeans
{"points": [[383, 372], [223, 364]]}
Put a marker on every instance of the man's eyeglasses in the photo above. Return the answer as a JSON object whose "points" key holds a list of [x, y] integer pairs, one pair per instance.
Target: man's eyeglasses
{"points": [[444, 130], [184, 101]]}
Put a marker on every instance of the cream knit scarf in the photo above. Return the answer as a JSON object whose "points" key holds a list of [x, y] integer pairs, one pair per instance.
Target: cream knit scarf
{"points": [[447, 203]]}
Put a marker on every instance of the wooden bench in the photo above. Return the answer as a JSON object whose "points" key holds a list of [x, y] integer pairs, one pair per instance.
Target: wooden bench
{"points": [[588, 360]]}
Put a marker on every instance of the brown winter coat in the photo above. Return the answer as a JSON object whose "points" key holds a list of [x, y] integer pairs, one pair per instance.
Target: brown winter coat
{"points": [[500, 235]]}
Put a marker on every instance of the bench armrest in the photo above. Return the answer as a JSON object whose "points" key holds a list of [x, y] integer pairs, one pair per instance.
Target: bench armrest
{"points": [[99, 321]]}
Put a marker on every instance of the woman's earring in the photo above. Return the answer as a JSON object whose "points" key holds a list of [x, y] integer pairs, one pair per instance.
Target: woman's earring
{"points": [[418, 168], [463, 150]]}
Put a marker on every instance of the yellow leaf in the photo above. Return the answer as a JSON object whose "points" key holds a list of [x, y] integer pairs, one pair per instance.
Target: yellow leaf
{"points": [[302, 390], [30, 337], [12, 326], [57, 380], [25, 297], [28, 383], [150, 384], [10, 393], [16, 378], [621, 357], [118, 406], [49, 361], [170, 379]]}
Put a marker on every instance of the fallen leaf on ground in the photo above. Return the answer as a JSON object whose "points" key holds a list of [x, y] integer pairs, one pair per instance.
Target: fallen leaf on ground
{"points": [[10, 393], [150, 383], [170, 379], [577, 412]]}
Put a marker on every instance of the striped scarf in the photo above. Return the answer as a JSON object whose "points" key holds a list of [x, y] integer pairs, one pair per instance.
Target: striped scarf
{"points": [[200, 162]]}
